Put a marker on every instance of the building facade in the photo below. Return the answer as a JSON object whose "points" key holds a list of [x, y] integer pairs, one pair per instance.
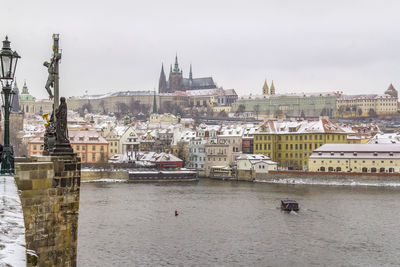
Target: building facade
{"points": [[372, 158], [290, 143], [90, 146], [288, 105], [370, 105]]}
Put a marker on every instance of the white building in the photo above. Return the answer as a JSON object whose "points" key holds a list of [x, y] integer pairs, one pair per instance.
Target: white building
{"points": [[382, 158]]}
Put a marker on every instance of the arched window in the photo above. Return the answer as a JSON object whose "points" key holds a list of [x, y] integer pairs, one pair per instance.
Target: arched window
{"points": [[373, 169], [391, 169], [322, 169], [364, 169], [382, 170], [330, 169], [338, 169]]}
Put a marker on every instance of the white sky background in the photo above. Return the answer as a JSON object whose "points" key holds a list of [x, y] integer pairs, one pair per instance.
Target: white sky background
{"points": [[314, 45]]}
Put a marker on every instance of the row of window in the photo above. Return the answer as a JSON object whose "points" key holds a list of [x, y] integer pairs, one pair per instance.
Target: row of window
{"points": [[382, 161], [300, 137], [289, 146], [363, 169]]}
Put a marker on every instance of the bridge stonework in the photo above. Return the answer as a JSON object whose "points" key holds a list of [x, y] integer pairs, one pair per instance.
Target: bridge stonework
{"points": [[50, 187]]}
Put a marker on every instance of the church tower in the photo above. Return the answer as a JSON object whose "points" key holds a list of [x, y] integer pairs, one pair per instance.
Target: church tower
{"points": [[15, 108], [175, 78], [162, 83], [265, 89], [272, 89]]}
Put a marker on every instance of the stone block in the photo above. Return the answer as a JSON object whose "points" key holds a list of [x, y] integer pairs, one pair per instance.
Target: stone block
{"points": [[42, 183], [24, 184]]}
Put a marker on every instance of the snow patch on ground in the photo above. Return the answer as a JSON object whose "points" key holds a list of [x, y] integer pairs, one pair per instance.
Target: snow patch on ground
{"points": [[105, 180], [12, 228], [297, 181]]}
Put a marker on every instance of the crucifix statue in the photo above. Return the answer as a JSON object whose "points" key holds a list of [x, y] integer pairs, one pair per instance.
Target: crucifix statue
{"points": [[56, 141]]}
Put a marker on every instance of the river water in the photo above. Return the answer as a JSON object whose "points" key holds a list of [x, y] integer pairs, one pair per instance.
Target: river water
{"points": [[237, 224]]}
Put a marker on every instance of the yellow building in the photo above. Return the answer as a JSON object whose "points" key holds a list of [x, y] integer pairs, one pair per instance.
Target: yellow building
{"points": [[368, 105], [370, 158], [290, 143], [90, 146]]}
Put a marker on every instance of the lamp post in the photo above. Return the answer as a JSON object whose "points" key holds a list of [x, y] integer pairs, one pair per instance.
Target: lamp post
{"points": [[8, 62]]}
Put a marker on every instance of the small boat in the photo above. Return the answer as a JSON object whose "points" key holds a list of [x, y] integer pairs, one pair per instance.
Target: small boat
{"points": [[289, 205]]}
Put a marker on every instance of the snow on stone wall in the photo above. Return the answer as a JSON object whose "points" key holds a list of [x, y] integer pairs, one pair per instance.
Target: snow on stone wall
{"points": [[12, 229]]}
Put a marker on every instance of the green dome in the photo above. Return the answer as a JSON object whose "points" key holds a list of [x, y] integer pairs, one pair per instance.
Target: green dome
{"points": [[26, 97]]}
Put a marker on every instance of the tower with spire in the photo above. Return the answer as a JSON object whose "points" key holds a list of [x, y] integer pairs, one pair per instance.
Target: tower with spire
{"points": [[162, 83], [265, 89], [272, 88], [15, 108], [175, 77]]}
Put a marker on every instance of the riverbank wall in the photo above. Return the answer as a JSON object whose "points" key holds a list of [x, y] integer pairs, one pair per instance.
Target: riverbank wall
{"points": [[99, 174], [50, 187], [347, 176]]}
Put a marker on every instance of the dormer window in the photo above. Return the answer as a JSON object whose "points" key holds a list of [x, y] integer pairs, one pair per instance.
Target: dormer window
{"points": [[355, 154], [341, 153], [332, 153], [375, 154], [320, 153], [391, 154]]}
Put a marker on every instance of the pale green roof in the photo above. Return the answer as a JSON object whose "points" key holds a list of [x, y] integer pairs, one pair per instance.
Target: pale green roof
{"points": [[26, 97]]}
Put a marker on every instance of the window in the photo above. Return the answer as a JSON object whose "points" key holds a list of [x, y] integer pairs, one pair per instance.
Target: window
{"points": [[102, 148], [93, 157], [279, 147], [83, 147], [77, 148], [34, 147], [265, 146], [93, 148]]}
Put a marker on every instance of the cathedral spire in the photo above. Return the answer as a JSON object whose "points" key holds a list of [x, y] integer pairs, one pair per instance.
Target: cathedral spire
{"points": [[162, 83], [272, 89], [15, 108], [176, 66], [190, 73], [265, 88]]}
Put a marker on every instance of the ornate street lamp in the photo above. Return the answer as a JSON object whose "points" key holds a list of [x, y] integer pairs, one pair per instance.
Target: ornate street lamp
{"points": [[8, 64]]}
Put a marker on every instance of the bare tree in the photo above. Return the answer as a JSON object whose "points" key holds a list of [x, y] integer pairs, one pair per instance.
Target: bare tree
{"points": [[257, 110]]}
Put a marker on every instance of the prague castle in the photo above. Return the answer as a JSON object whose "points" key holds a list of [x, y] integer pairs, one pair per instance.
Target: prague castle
{"points": [[176, 82]]}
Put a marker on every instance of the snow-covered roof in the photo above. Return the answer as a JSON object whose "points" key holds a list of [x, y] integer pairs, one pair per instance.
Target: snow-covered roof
{"points": [[385, 138], [299, 127]]}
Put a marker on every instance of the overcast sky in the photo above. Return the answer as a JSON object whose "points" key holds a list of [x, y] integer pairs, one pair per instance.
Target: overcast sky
{"points": [[304, 46]]}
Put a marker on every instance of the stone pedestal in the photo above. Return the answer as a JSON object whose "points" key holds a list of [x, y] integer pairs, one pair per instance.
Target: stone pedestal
{"points": [[50, 201]]}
